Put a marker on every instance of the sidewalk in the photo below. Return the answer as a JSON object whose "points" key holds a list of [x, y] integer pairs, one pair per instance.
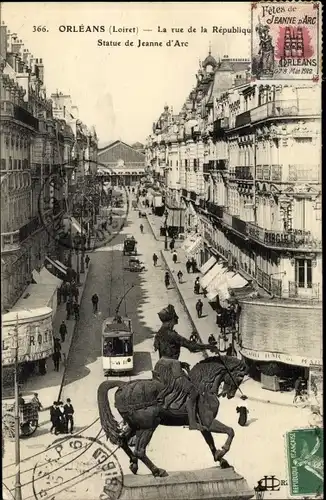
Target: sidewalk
{"points": [[206, 325], [49, 386]]}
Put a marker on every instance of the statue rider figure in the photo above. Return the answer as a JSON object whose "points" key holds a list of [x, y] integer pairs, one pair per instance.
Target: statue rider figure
{"points": [[168, 343]]}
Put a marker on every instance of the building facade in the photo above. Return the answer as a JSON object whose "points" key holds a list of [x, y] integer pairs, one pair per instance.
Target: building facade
{"points": [[38, 168], [121, 164], [243, 159]]}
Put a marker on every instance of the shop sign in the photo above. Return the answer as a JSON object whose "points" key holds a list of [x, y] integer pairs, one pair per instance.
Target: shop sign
{"points": [[35, 340], [282, 358]]}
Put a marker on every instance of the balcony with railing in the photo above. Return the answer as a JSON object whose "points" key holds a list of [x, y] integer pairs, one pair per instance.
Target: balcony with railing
{"points": [[242, 119], [285, 108], [10, 242], [28, 229], [24, 116], [304, 173], [241, 173], [266, 281], [314, 292], [214, 209], [293, 240], [269, 173]]}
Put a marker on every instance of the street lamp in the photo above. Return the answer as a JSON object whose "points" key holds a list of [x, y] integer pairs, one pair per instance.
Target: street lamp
{"points": [[166, 214], [77, 241], [18, 486]]}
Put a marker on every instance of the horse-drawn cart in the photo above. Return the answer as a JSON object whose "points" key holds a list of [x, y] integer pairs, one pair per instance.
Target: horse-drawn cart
{"points": [[28, 418], [130, 246]]}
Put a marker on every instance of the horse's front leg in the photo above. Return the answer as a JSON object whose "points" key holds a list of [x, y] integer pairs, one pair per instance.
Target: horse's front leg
{"points": [[143, 437], [218, 428], [133, 459]]}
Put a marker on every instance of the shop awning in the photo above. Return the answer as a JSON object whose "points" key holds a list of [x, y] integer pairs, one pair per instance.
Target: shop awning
{"points": [[208, 265], [56, 268], [206, 280], [190, 239], [237, 281], [36, 297], [44, 277], [72, 225], [223, 282], [193, 249], [222, 292], [175, 217]]}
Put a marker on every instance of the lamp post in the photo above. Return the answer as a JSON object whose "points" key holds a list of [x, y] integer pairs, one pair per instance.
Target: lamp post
{"points": [[18, 491], [77, 240], [166, 214]]}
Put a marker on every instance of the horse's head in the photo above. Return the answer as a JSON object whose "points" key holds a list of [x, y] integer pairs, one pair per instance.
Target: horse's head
{"points": [[234, 375]]}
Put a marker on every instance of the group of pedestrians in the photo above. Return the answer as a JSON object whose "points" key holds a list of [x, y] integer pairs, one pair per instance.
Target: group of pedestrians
{"points": [[62, 417], [191, 266]]}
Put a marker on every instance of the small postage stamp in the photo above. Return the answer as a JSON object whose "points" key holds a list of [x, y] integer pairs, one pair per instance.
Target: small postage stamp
{"points": [[68, 464], [305, 457], [285, 40]]}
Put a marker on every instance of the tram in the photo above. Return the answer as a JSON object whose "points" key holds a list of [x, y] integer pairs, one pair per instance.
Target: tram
{"points": [[117, 345]]}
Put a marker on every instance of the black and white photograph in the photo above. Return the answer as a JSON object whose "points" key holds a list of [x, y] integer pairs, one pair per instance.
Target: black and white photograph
{"points": [[161, 250]]}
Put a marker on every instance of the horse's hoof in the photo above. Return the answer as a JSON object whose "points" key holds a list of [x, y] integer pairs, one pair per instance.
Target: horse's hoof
{"points": [[218, 455], [224, 464], [160, 473], [134, 468]]}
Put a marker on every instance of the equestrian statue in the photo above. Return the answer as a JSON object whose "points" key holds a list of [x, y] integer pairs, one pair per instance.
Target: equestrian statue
{"points": [[172, 398]]}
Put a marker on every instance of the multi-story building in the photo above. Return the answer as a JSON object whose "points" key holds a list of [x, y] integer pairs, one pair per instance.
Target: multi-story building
{"points": [[36, 152], [248, 175]]}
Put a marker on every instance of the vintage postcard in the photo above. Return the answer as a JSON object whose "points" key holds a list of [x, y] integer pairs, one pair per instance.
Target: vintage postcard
{"points": [[161, 250]]}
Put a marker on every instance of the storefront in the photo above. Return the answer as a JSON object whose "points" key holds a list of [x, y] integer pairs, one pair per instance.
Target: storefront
{"points": [[281, 339], [35, 340]]}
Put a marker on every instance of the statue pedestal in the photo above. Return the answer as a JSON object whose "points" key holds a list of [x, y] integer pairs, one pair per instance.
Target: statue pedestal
{"points": [[207, 484]]}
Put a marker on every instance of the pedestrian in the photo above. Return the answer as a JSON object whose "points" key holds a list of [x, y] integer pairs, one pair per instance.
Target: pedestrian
{"points": [[167, 279], [61, 422], [57, 344], [42, 366], [188, 266], [76, 293], [298, 389], [155, 259], [193, 265], [87, 259], [199, 308], [180, 276], [69, 307], [56, 356], [172, 243], [175, 257], [212, 340], [95, 303], [63, 331], [37, 402], [69, 412], [76, 310], [64, 292], [196, 286], [141, 228], [243, 412], [59, 295], [53, 416]]}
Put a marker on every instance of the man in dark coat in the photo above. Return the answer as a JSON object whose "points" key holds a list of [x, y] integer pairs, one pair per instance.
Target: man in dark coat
{"points": [[69, 412], [56, 356], [95, 303], [63, 331], [53, 416]]}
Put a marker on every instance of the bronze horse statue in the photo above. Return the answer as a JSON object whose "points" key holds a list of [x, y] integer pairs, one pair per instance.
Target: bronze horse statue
{"points": [[139, 406]]}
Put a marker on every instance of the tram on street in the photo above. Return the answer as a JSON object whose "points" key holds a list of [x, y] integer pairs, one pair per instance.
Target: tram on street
{"points": [[117, 345]]}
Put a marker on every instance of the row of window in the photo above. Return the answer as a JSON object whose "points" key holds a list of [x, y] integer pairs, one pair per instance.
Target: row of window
{"points": [[11, 164]]}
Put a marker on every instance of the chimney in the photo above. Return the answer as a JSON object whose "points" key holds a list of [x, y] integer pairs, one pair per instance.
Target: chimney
{"points": [[3, 41], [41, 70]]}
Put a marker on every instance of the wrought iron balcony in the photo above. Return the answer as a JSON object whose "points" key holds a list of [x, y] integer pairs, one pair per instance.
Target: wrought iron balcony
{"points": [[242, 173], [242, 119], [28, 229], [10, 242], [293, 240], [24, 116], [284, 108], [214, 209], [304, 173]]}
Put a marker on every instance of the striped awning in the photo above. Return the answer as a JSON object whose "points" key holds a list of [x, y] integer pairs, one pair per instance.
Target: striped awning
{"points": [[194, 247], [208, 265], [212, 273], [56, 268]]}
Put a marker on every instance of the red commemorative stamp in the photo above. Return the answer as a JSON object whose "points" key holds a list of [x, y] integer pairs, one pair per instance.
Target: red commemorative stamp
{"points": [[286, 40]]}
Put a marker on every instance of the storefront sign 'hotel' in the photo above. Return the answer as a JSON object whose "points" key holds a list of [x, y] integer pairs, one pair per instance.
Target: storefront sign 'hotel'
{"points": [[35, 338]]}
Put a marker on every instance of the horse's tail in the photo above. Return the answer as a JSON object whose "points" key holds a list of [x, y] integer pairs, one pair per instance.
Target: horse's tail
{"points": [[108, 422]]}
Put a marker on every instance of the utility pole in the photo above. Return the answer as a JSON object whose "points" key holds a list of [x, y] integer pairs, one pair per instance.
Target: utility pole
{"points": [[18, 487]]}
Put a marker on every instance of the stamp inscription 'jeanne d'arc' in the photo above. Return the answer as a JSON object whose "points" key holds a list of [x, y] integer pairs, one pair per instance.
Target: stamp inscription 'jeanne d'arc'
{"points": [[285, 40]]}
